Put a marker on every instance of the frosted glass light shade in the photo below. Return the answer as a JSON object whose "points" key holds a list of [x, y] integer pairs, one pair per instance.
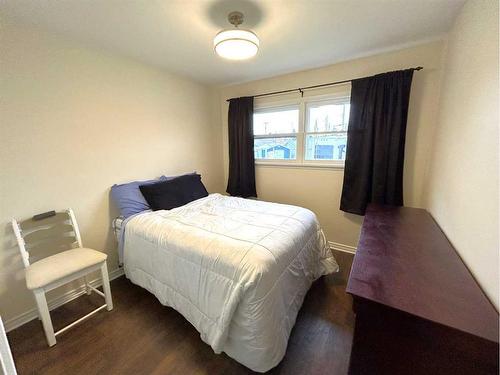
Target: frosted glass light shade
{"points": [[236, 44]]}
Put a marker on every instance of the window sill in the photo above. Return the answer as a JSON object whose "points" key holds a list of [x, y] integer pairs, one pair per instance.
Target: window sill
{"points": [[271, 164]]}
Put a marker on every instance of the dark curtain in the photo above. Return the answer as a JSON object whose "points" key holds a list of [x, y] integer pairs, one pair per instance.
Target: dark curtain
{"points": [[376, 141], [241, 180]]}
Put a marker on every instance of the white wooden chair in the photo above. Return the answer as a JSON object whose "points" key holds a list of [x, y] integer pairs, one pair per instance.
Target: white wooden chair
{"points": [[61, 268]]}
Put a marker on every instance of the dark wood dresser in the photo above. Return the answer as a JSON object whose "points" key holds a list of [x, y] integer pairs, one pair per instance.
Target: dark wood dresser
{"points": [[418, 308]]}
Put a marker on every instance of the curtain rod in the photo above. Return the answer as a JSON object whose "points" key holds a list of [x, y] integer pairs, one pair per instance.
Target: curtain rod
{"points": [[301, 89]]}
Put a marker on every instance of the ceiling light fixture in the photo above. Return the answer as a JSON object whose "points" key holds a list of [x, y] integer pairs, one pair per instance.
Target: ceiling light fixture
{"points": [[236, 44]]}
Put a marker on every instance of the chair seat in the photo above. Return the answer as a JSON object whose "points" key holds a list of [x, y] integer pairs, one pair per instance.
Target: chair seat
{"points": [[58, 266]]}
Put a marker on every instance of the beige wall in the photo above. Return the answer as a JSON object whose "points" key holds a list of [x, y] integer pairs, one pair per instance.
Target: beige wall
{"points": [[319, 189], [73, 122], [463, 180]]}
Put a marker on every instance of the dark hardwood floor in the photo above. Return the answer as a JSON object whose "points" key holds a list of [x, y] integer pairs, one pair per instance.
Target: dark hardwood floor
{"points": [[140, 336]]}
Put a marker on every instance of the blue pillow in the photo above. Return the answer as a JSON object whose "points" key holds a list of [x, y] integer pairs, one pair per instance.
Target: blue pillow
{"points": [[129, 199]]}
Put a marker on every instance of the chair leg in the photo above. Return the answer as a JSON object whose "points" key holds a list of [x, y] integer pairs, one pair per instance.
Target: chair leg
{"points": [[43, 310], [87, 289], [106, 287]]}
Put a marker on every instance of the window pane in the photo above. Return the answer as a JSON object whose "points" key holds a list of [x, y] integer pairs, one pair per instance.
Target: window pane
{"points": [[277, 121], [275, 148], [326, 146], [327, 117]]}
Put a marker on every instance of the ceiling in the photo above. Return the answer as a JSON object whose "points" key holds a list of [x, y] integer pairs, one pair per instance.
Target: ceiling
{"points": [[295, 34]]}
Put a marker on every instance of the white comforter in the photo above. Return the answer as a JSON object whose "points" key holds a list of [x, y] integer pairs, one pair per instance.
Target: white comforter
{"points": [[237, 269]]}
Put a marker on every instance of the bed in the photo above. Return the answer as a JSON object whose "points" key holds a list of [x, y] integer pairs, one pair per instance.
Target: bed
{"points": [[237, 269]]}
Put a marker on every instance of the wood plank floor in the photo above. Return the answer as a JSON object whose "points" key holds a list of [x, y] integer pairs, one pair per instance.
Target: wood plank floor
{"points": [[140, 336]]}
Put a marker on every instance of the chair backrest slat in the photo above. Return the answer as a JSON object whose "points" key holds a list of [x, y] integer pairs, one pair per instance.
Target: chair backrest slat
{"points": [[61, 231], [47, 232], [29, 225]]}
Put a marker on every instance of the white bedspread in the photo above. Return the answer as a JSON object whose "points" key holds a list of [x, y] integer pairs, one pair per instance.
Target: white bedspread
{"points": [[237, 269]]}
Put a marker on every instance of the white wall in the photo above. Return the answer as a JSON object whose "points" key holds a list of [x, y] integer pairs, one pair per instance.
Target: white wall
{"points": [[73, 122], [463, 179], [320, 189]]}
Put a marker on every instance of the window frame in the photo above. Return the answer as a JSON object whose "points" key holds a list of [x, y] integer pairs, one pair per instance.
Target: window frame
{"points": [[334, 95], [332, 101], [277, 108]]}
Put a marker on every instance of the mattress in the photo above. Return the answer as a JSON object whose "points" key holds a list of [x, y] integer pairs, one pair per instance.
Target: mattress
{"points": [[237, 269]]}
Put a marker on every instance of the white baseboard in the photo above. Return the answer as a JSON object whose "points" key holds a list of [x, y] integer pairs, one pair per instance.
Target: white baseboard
{"points": [[341, 247], [70, 295]]}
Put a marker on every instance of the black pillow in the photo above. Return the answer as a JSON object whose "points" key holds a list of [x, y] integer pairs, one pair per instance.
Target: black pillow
{"points": [[165, 195]]}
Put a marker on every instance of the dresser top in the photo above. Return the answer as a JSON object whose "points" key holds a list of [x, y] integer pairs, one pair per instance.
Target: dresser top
{"points": [[405, 261]]}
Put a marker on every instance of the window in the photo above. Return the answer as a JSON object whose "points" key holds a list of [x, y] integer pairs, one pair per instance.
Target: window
{"points": [[275, 133], [326, 130], [310, 131]]}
